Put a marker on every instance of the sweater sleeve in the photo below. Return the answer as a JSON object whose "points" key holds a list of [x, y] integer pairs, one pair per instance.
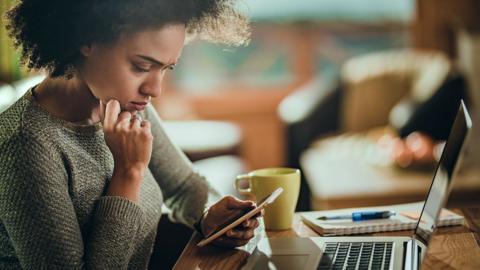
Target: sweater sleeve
{"points": [[39, 217], [186, 192]]}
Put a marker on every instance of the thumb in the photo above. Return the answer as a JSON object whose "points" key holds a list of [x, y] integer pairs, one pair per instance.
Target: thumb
{"points": [[234, 203]]}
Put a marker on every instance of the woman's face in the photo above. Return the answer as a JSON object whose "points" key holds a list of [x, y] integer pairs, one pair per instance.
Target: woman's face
{"points": [[131, 70]]}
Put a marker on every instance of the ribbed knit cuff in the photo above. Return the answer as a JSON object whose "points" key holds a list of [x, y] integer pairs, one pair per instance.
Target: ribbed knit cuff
{"points": [[116, 207]]}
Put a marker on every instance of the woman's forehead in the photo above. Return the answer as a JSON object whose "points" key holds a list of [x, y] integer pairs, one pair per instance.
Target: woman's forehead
{"points": [[167, 40]]}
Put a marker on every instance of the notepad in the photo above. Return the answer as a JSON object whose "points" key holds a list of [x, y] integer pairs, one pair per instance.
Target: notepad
{"points": [[405, 219]]}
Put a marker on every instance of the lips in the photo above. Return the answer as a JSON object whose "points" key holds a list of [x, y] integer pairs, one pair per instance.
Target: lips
{"points": [[139, 106]]}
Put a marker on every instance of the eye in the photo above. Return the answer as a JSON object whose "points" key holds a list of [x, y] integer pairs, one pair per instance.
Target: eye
{"points": [[171, 67], [137, 68]]}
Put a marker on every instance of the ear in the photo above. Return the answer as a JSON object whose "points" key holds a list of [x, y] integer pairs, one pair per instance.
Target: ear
{"points": [[86, 50]]}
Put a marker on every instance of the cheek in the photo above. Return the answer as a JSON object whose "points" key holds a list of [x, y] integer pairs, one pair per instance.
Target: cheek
{"points": [[114, 83], [122, 90]]}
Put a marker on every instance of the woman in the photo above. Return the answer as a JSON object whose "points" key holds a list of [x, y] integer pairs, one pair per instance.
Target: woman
{"points": [[85, 164]]}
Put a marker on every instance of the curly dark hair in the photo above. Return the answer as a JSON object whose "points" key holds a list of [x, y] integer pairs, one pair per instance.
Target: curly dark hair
{"points": [[51, 33]]}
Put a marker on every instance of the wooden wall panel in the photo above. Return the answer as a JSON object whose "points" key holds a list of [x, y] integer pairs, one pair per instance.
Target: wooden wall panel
{"points": [[436, 22]]}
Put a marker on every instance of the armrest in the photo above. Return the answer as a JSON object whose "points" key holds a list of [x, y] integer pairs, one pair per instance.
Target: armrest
{"points": [[309, 112], [433, 116]]}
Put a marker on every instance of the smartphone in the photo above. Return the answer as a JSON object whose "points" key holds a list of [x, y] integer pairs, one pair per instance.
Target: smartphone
{"points": [[239, 218]]}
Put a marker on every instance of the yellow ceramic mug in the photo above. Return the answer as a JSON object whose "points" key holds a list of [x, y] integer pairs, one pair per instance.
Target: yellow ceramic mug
{"points": [[278, 215]]}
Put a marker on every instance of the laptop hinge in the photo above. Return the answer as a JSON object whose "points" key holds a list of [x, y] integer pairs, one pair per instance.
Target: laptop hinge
{"points": [[412, 256]]}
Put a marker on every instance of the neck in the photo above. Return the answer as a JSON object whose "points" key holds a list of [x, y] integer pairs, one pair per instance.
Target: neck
{"points": [[70, 100]]}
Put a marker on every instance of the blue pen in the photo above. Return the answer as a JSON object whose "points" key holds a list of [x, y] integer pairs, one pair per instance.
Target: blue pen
{"points": [[361, 215]]}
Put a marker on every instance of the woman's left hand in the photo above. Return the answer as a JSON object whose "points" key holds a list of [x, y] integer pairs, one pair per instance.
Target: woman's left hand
{"points": [[218, 213]]}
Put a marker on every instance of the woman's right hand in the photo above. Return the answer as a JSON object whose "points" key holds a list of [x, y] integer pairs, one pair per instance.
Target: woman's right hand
{"points": [[130, 141]]}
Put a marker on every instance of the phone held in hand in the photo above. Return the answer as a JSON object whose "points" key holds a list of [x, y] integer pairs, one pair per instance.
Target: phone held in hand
{"points": [[239, 218]]}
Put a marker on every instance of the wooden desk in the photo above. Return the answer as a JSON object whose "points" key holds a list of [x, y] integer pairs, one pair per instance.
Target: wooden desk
{"points": [[451, 248]]}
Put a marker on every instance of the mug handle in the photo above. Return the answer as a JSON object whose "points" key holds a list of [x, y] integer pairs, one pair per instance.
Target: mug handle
{"points": [[243, 191]]}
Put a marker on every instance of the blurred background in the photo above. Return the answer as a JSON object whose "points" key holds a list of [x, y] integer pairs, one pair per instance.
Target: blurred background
{"points": [[334, 87], [358, 94]]}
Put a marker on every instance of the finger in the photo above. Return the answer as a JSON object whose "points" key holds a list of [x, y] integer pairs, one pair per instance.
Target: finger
{"points": [[250, 223], [145, 124], [137, 115], [234, 203], [136, 122], [241, 234], [124, 119], [146, 128], [259, 214], [124, 116], [125, 123], [112, 111]]}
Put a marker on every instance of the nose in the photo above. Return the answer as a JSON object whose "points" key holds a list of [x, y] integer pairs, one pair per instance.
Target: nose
{"points": [[152, 86]]}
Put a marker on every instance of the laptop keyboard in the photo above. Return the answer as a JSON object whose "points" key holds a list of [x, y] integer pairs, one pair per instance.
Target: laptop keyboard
{"points": [[356, 255]]}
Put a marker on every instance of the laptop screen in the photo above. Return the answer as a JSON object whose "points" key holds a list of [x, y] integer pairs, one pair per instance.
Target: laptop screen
{"points": [[443, 177]]}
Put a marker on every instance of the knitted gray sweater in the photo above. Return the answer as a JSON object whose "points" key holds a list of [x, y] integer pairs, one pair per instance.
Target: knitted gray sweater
{"points": [[54, 213]]}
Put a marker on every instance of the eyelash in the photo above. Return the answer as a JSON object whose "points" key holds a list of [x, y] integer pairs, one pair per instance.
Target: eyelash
{"points": [[139, 69]]}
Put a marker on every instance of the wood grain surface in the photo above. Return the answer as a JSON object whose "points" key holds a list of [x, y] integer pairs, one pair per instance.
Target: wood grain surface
{"points": [[454, 247]]}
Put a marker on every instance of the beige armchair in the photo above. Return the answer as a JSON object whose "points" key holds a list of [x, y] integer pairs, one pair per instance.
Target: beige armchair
{"points": [[375, 82]]}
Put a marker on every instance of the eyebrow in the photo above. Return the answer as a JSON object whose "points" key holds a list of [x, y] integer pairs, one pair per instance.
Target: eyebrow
{"points": [[153, 60]]}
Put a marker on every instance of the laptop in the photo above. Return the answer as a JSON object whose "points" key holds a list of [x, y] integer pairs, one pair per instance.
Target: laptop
{"points": [[372, 252]]}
